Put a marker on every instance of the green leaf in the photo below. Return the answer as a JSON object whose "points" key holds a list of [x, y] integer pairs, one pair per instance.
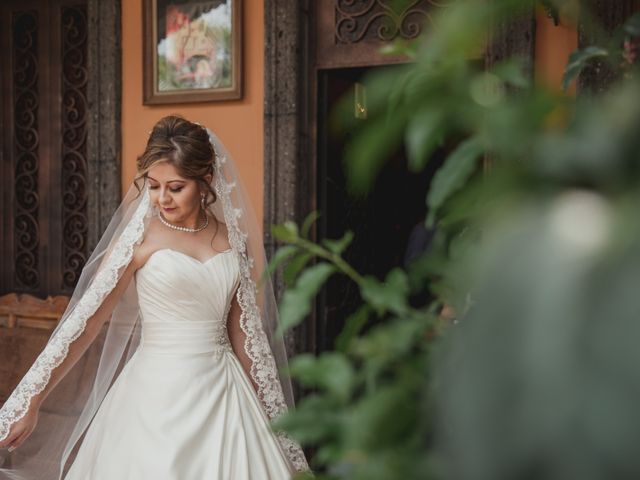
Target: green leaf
{"points": [[304, 476], [287, 232], [296, 302], [280, 256], [452, 176], [388, 296], [314, 419], [369, 150], [330, 371], [400, 47], [578, 60], [291, 227], [632, 25], [513, 73], [552, 11], [308, 223], [352, 327], [338, 246], [295, 266], [386, 417], [423, 135]]}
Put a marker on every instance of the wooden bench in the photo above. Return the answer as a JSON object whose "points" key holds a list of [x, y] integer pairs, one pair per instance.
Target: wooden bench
{"points": [[26, 323]]}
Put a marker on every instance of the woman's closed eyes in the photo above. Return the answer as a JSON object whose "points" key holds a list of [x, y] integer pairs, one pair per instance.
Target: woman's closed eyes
{"points": [[173, 190]]}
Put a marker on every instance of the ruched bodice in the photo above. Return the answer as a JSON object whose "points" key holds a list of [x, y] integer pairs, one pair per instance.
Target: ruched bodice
{"points": [[184, 302]]}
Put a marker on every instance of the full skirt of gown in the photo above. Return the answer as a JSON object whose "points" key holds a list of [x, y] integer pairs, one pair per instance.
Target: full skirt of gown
{"points": [[182, 408]]}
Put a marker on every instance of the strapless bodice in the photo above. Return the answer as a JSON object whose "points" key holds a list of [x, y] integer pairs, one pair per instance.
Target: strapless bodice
{"points": [[184, 302]]}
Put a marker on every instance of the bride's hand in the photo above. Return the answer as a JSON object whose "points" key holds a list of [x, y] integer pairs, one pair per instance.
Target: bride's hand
{"points": [[21, 429]]}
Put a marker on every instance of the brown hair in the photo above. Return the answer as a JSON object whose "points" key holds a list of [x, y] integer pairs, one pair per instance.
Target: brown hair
{"points": [[185, 145]]}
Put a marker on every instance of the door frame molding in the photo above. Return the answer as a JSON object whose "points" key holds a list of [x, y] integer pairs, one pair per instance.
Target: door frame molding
{"points": [[288, 167], [290, 93], [104, 139]]}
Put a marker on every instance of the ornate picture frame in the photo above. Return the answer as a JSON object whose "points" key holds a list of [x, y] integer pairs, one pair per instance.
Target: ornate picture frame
{"points": [[192, 51]]}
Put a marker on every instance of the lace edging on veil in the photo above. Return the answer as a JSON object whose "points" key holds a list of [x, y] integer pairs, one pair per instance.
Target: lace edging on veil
{"points": [[71, 327], [263, 366]]}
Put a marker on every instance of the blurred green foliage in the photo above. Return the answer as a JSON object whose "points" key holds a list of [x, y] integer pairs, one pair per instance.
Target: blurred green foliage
{"points": [[537, 253]]}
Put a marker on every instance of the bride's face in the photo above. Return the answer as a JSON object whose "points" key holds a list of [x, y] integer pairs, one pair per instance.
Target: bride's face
{"points": [[178, 198]]}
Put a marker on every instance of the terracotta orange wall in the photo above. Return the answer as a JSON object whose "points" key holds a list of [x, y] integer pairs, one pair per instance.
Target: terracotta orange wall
{"points": [[239, 124], [554, 44]]}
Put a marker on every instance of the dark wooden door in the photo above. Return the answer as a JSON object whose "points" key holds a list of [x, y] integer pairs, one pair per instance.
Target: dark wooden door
{"points": [[348, 38], [43, 172]]}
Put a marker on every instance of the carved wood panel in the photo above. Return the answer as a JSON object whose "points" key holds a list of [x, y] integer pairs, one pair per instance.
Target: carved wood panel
{"points": [[25, 99], [44, 145], [74, 142], [381, 21], [351, 32]]}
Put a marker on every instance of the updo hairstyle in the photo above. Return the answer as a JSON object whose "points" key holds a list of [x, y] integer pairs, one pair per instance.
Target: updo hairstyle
{"points": [[186, 146]]}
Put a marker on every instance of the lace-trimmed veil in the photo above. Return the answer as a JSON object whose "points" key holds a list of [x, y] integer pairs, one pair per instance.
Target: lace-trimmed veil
{"points": [[68, 410]]}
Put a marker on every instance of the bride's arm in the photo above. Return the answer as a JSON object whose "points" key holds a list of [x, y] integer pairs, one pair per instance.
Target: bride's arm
{"points": [[91, 331], [22, 428], [237, 338]]}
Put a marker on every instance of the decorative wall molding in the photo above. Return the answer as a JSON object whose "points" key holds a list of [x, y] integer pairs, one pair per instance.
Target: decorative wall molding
{"points": [[381, 20], [350, 33]]}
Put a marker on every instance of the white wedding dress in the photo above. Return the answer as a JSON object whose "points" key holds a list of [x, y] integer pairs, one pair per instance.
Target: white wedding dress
{"points": [[182, 408]]}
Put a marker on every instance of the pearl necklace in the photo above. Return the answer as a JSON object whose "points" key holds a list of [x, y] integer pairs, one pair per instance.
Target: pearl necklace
{"points": [[185, 229]]}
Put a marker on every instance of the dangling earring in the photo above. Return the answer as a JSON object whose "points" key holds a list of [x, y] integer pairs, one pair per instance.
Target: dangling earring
{"points": [[203, 199]]}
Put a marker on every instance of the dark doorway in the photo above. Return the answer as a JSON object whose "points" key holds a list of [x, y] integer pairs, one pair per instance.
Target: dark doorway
{"points": [[382, 222]]}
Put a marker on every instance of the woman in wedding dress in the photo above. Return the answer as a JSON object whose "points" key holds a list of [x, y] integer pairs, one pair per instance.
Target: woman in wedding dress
{"points": [[187, 381]]}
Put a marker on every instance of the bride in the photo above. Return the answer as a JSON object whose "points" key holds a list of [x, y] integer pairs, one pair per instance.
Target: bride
{"points": [[185, 374]]}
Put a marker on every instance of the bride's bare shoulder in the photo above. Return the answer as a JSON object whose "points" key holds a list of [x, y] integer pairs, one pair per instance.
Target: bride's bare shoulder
{"points": [[149, 244]]}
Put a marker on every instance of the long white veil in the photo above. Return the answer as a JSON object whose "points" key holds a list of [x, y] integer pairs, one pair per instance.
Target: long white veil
{"points": [[68, 410]]}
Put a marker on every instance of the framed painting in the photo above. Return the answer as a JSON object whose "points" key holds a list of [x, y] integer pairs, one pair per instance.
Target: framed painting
{"points": [[192, 51]]}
